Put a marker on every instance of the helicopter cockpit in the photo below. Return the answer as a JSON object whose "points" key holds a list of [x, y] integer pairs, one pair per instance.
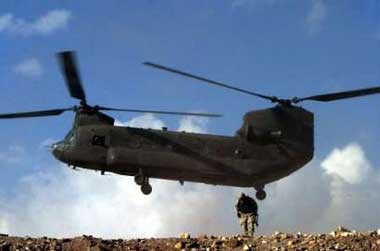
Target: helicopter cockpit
{"points": [[70, 137], [59, 147]]}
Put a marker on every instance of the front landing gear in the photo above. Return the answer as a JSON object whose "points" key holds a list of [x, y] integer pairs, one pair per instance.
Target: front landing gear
{"points": [[139, 178], [143, 181], [261, 194]]}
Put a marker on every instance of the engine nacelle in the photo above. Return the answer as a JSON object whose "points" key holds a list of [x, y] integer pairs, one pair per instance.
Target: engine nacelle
{"points": [[271, 125], [262, 136]]}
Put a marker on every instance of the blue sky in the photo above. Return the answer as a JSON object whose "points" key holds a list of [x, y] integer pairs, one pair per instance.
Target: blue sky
{"points": [[277, 47]]}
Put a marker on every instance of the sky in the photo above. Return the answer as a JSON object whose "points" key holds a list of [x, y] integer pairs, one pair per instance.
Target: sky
{"points": [[285, 48]]}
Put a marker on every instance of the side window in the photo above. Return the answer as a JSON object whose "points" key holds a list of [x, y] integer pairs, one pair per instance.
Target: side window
{"points": [[72, 139], [98, 140]]}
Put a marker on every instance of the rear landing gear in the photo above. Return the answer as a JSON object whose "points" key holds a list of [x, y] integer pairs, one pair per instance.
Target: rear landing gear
{"points": [[143, 181], [146, 188], [261, 194], [139, 178]]}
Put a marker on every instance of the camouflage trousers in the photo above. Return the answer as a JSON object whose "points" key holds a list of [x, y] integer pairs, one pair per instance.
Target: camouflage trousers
{"points": [[247, 223]]}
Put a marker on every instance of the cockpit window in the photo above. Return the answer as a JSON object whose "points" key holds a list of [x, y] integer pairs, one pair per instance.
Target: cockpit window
{"points": [[70, 137], [69, 134]]}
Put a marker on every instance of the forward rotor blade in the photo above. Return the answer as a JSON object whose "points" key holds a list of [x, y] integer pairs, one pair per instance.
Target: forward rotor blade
{"points": [[161, 67], [43, 113], [160, 112], [70, 71], [341, 95]]}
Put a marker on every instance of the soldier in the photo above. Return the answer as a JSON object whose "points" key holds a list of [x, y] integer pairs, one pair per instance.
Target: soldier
{"points": [[246, 208]]}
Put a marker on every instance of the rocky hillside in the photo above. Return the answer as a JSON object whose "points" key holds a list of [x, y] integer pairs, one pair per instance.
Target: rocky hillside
{"points": [[341, 239]]}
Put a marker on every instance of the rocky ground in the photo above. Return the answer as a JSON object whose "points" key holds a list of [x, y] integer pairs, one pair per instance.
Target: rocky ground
{"points": [[341, 239]]}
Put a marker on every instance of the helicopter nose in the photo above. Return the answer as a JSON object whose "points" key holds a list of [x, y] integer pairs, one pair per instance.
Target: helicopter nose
{"points": [[57, 150]]}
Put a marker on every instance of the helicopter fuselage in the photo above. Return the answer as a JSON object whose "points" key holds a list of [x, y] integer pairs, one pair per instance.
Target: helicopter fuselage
{"points": [[263, 151], [271, 144]]}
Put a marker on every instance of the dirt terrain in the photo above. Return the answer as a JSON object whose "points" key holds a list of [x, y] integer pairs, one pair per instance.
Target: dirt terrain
{"points": [[340, 239]]}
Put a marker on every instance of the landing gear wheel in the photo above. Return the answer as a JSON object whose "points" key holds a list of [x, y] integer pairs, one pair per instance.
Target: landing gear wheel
{"points": [[146, 188], [139, 179], [261, 194]]}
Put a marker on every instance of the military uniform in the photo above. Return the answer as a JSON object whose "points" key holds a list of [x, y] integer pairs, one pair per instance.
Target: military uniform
{"points": [[246, 208]]}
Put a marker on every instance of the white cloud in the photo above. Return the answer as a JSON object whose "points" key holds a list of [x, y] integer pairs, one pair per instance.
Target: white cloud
{"points": [[48, 23], [3, 226], [13, 154], [193, 124], [147, 120], [29, 68], [186, 123], [316, 16], [349, 163], [3, 222], [52, 21], [320, 199], [5, 22], [66, 203], [353, 194]]}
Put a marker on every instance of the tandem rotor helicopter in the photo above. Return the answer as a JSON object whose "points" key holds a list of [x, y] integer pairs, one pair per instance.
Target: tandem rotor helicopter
{"points": [[271, 143]]}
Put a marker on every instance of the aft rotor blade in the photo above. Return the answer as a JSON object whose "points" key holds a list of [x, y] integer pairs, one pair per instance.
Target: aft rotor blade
{"points": [[341, 95], [42, 113], [70, 71], [160, 112], [165, 68]]}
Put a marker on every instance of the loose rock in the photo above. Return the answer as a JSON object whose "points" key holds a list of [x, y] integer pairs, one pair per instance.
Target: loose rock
{"points": [[184, 235], [179, 245], [341, 239]]}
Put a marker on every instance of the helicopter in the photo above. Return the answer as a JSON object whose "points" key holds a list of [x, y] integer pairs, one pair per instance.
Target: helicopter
{"points": [[271, 144]]}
